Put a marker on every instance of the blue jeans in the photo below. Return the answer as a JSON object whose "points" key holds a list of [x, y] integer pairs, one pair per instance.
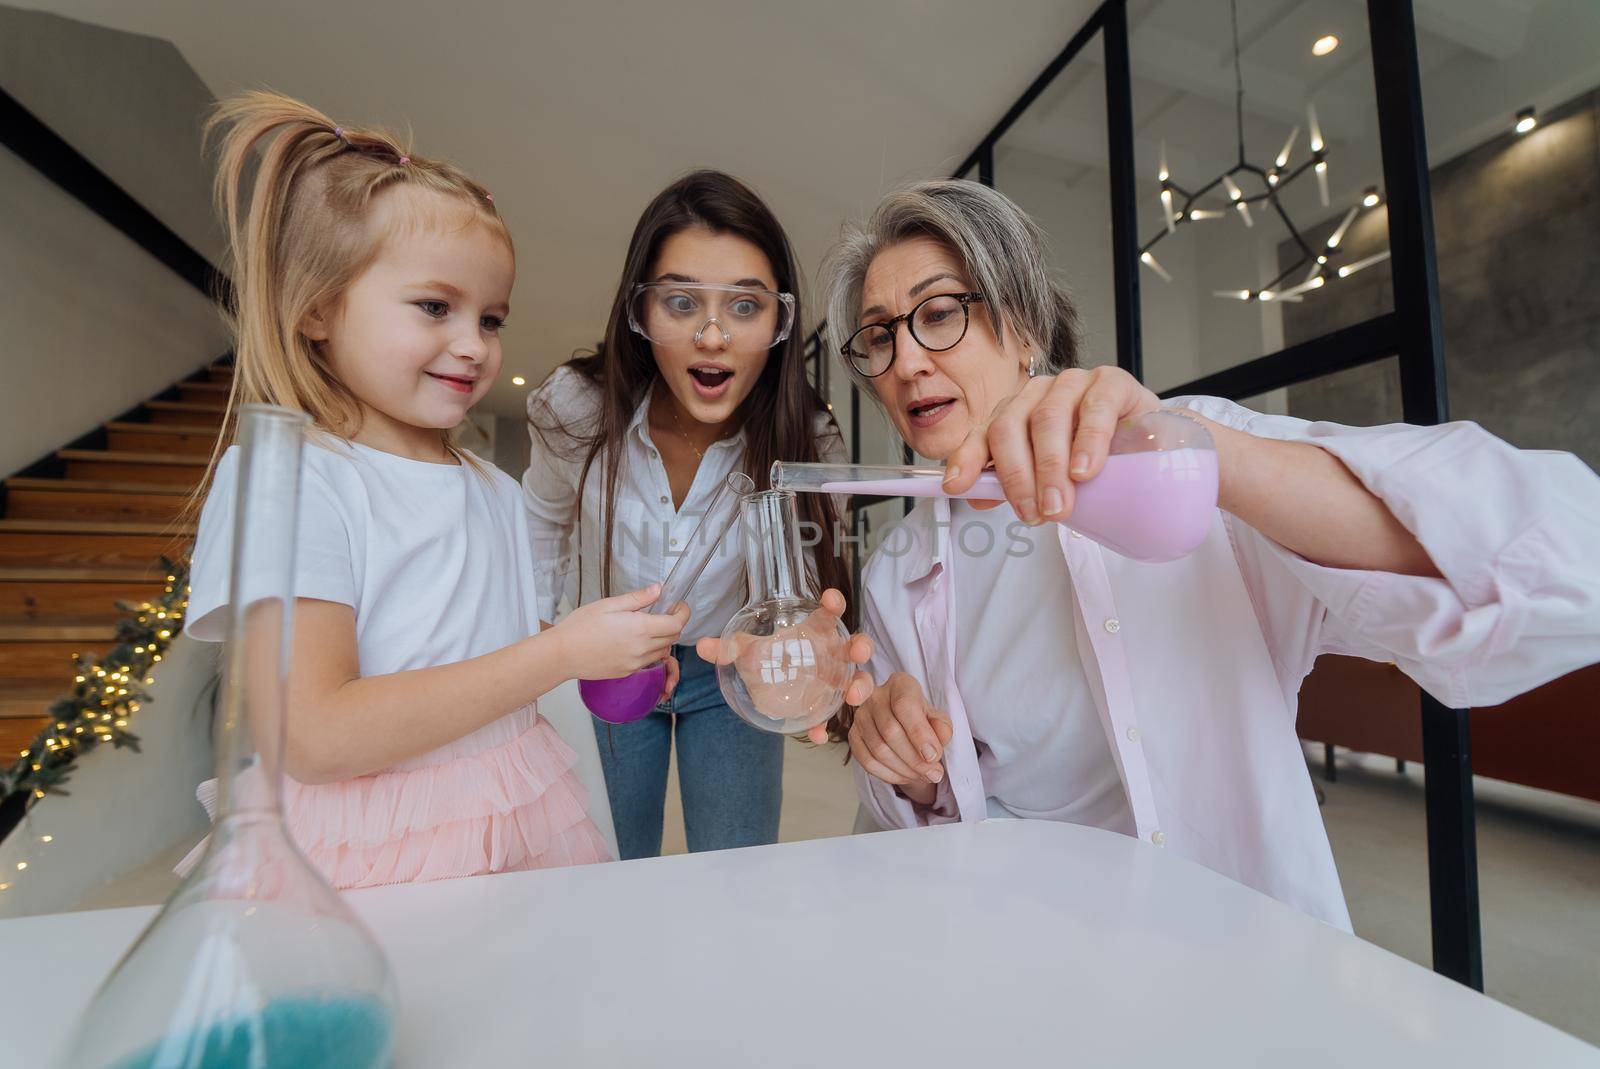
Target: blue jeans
{"points": [[730, 774]]}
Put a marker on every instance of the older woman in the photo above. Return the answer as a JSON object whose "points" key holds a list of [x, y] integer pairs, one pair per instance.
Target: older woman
{"points": [[1046, 677]]}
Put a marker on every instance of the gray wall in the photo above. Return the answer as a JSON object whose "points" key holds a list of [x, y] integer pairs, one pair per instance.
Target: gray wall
{"points": [[130, 103], [92, 324], [1517, 220]]}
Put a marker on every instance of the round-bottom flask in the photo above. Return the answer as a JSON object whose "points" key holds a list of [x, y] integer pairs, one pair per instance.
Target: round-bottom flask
{"points": [[784, 667]]}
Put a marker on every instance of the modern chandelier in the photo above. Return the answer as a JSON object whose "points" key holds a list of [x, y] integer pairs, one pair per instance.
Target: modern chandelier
{"points": [[1271, 181]]}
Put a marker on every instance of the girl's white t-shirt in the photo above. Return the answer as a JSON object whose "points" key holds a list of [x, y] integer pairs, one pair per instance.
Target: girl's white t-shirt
{"points": [[434, 558]]}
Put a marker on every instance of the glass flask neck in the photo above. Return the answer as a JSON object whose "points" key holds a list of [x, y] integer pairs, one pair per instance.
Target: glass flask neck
{"points": [[255, 660], [774, 560]]}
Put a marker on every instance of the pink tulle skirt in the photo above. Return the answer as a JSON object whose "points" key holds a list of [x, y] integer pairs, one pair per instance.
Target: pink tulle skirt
{"points": [[499, 800]]}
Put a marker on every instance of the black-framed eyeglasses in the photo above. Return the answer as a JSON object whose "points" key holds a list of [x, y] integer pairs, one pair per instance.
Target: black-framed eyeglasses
{"points": [[937, 323]]}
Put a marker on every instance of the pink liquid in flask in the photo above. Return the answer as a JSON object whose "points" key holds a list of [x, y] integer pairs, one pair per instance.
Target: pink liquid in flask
{"points": [[1148, 503]]}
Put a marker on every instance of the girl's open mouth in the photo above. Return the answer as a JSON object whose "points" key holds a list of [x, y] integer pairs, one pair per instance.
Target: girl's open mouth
{"points": [[710, 381]]}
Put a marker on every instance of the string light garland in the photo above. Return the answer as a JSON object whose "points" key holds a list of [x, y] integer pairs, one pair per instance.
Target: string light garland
{"points": [[106, 693]]}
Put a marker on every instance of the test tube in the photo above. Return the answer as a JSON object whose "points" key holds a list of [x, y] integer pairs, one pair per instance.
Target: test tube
{"points": [[876, 480], [720, 515], [1154, 500]]}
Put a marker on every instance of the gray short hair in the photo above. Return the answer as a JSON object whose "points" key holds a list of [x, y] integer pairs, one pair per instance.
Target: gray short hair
{"points": [[1000, 249]]}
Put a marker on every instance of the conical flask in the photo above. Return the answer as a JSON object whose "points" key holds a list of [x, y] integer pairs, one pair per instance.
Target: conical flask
{"points": [[254, 962], [786, 668]]}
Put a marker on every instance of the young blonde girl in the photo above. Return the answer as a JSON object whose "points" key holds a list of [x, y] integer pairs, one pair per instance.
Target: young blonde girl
{"points": [[370, 287]]}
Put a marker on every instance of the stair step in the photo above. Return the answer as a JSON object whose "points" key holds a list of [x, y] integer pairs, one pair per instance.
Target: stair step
{"points": [[75, 574], [17, 735], [59, 597], [69, 543], [27, 699], [70, 603], [82, 499], [94, 527], [96, 634], [45, 661], [211, 393], [161, 438], [114, 465], [185, 412]]}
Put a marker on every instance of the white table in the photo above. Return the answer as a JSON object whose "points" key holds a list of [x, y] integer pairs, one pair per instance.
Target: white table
{"points": [[1010, 943]]}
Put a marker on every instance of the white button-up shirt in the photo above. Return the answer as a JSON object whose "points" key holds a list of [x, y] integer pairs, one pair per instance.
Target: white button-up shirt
{"points": [[650, 535], [1195, 665], [1041, 751]]}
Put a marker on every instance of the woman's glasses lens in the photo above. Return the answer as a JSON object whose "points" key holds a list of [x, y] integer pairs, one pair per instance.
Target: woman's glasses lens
{"points": [[937, 324], [674, 313]]}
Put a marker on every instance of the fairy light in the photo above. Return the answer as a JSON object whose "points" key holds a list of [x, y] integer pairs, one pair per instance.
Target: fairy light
{"points": [[102, 697]]}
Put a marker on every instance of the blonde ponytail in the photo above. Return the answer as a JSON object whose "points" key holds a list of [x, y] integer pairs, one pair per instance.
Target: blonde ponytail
{"points": [[295, 192]]}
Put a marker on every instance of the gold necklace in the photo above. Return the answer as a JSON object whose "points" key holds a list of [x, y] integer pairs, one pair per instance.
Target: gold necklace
{"points": [[677, 425]]}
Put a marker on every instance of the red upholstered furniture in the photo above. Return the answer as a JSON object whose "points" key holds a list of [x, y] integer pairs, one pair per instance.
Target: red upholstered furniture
{"points": [[1547, 738]]}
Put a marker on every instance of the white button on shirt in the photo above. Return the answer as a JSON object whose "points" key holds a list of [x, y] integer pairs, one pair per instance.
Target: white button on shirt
{"points": [[1225, 636], [648, 529], [1042, 752]]}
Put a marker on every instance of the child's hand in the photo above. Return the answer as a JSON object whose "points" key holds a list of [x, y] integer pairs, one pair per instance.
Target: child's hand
{"points": [[672, 680], [612, 637]]}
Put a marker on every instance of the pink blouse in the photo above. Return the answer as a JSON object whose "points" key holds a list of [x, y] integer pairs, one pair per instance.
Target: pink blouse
{"points": [[1195, 665]]}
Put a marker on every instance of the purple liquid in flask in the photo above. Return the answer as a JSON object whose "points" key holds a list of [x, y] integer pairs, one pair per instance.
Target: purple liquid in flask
{"points": [[631, 697]]}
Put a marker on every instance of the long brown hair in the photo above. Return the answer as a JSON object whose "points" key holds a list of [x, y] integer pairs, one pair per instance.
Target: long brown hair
{"points": [[295, 193], [780, 413]]}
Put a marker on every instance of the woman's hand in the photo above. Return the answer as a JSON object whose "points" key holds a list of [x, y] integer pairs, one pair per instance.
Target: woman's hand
{"points": [[900, 739], [672, 679], [1054, 431], [820, 629], [612, 637]]}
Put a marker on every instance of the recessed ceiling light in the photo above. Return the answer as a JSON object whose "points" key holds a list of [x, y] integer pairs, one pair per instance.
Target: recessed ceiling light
{"points": [[1324, 44], [518, 380], [1527, 119]]}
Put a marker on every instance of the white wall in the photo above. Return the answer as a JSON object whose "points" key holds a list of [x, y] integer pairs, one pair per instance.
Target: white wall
{"points": [[123, 808], [128, 102], [91, 323]]}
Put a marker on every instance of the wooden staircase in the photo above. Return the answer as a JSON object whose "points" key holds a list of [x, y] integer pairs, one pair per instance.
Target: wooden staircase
{"points": [[84, 529]]}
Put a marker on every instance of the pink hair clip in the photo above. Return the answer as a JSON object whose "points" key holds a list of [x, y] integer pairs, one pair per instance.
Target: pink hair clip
{"points": [[489, 197], [404, 160], [338, 131]]}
